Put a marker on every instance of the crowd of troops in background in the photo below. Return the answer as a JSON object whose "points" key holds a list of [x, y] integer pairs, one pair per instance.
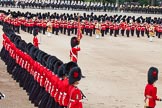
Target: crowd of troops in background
{"points": [[48, 81], [67, 24], [80, 5]]}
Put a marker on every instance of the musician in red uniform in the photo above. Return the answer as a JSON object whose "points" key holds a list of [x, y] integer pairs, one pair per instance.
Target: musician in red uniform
{"points": [[75, 100], [74, 49], [150, 92]]}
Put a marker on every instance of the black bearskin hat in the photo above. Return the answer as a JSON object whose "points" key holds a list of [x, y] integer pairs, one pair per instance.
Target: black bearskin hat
{"points": [[74, 75], [52, 65], [51, 60], [22, 45], [12, 37], [74, 42], [69, 66], [35, 54], [44, 60], [152, 75], [40, 56], [17, 40], [29, 45], [32, 50], [7, 30], [61, 71], [57, 66]]}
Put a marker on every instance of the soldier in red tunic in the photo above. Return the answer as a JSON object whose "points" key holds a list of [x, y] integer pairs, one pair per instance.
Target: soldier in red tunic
{"points": [[75, 100], [91, 27], [133, 27], [116, 29], [103, 29], [63, 87], [57, 26], [143, 29], [111, 28], [128, 28], [159, 31], [138, 28], [74, 49], [150, 92], [35, 39], [69, 28], [123, 27], [17, 25]]}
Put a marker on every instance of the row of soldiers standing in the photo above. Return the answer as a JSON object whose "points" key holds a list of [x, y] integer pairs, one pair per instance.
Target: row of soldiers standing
{"points": [[49, 82], [58, 4], [68, 24], [141, 9], [81, 5]]}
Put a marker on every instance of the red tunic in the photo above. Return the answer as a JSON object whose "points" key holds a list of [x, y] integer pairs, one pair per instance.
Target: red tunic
{"points": [[143, 28], [74, 53], [75, 97], [35, 41], [133, 27], [138, 28], [128, 27], [69, 26], [65, 24], [60, 87], [107, 24], [53, 80], [150, 95], [116, 27], [111, 26], [160, 29], [91, 26], [65, 88], [103, 26], [57, 92], [48, 83], [123, 26]]}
